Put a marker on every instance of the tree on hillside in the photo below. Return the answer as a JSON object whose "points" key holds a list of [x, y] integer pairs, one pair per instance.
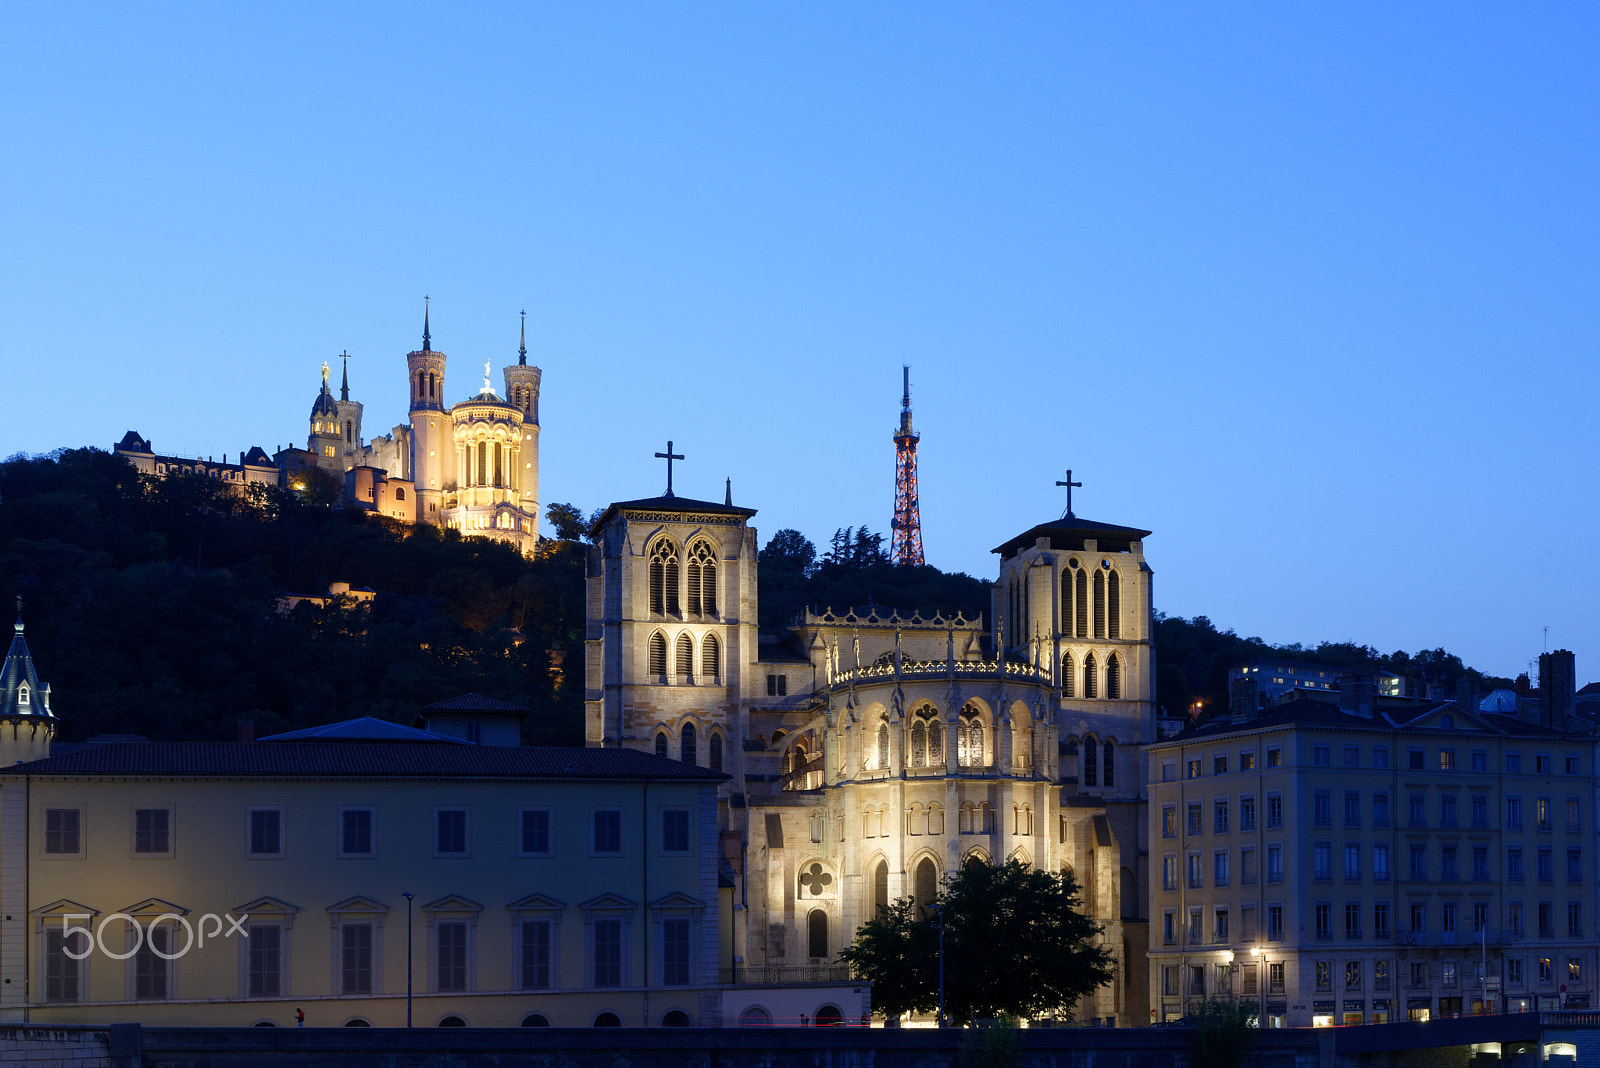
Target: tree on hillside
{"points": [[567, 522], [1015, 943]]}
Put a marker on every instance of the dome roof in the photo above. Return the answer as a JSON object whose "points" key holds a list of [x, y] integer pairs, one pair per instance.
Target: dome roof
{"points": [[324, 404]]}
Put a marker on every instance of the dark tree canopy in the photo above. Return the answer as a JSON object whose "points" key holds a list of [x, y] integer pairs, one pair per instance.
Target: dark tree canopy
{"points": [[856, 573], [1015, 943], [567, 522], [154, 607]]}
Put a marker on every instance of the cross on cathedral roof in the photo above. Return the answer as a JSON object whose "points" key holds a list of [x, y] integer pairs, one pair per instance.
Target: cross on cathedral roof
{"points": [[1069, 484], [669, 456]]}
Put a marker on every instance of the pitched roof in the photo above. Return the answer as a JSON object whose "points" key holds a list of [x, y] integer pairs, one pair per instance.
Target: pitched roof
{"points": [[1070, 532], [361, 760], [363, 729], [15, 673], [472, 702], [1309, 712], [671, 504]]}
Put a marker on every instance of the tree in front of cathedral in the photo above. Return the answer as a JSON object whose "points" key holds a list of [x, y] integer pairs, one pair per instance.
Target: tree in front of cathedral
{"points": [[1015, 944]]}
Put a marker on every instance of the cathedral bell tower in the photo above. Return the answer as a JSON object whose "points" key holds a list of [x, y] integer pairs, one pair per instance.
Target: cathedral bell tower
{"points": [[26, 723], [430, 426], [522, 390]]}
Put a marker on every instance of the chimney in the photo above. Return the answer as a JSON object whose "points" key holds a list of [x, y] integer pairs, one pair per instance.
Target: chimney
{"points": [[1557, 687], [1358, 694], [245, 730], [1243, 699]]}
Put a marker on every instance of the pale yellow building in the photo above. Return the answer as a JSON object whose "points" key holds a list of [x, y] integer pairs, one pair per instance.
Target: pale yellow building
{"points": [[545, 884]]}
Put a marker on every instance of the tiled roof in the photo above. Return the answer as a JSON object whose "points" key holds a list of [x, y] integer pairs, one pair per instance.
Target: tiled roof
{"points": [[363, 729], [471, 702], [671, 504], [1308, 712], [1069, 533], [361, 760]]}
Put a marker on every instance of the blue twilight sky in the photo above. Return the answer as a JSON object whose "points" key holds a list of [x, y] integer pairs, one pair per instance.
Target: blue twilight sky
{"points": [[1308, 290]]}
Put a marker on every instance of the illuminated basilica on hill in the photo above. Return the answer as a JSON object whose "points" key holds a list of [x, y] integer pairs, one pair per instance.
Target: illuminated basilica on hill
{"points": [[472, 466], [870, 754]]}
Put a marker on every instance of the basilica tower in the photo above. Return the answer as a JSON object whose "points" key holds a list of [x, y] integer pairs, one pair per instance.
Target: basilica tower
{"points": [[430, 427], [349, 418], [324, 440], [522, 390]]}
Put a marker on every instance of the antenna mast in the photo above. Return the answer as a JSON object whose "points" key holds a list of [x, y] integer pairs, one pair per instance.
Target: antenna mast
{"points": [[906, 527]]}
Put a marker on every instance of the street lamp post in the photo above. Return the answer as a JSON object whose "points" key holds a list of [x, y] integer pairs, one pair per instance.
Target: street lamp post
{"points": [[408, 895], [938, 919]]}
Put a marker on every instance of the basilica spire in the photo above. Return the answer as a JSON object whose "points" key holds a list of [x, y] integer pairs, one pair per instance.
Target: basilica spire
{"points": [[522, 346], [344, 384], [427, 341]]}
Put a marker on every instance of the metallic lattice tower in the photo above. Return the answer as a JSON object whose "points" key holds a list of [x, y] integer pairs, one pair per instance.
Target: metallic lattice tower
{"points": [[906, 542]]}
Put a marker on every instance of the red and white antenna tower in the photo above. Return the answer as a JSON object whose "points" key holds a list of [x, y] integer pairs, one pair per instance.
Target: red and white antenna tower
{"points": [[906, 527]]}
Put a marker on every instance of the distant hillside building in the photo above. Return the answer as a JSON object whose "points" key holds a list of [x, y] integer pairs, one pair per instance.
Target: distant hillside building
{"points": [[472, 466], [1271, 680]]}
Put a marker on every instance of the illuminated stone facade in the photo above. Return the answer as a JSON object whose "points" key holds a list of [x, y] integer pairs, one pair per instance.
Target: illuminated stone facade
{"points": [[472, 466], [871, 753]]}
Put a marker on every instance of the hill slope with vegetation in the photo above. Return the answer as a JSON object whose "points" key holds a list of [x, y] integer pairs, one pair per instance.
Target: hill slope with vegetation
{"points": [[153, 607]]}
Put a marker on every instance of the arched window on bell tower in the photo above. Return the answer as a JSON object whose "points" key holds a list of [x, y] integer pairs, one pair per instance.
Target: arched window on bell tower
{"points": [[689, 751], [1099, 604], [1089, 689], [1114, 677], [1113, 604], [663, 568], [1090, 762]]}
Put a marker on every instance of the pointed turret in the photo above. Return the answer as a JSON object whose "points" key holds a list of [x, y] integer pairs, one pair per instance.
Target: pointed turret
{"points": [[522, 390], [26, 722], [430, 426]]}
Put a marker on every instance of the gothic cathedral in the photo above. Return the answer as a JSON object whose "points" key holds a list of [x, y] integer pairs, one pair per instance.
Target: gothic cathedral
{"points": [[870, 755]]}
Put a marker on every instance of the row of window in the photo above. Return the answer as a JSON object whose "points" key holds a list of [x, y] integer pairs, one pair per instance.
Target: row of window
{"points": [[1354, 976], [1448, 815], [1091, 607], [1450, 919], [356, 832], [689, 746], [927, 741], [683, 659], [357, 967], [1090, 677], [1417, 759], [929, 820], [1322, 870], [695, 585]]}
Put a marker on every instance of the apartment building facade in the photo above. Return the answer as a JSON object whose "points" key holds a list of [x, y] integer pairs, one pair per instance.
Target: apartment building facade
{"points": [[1336, 867]]}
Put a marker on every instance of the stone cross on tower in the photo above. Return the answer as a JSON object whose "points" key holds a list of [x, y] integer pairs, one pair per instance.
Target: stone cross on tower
{"points": [[669, 456], [1069, 484]]}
